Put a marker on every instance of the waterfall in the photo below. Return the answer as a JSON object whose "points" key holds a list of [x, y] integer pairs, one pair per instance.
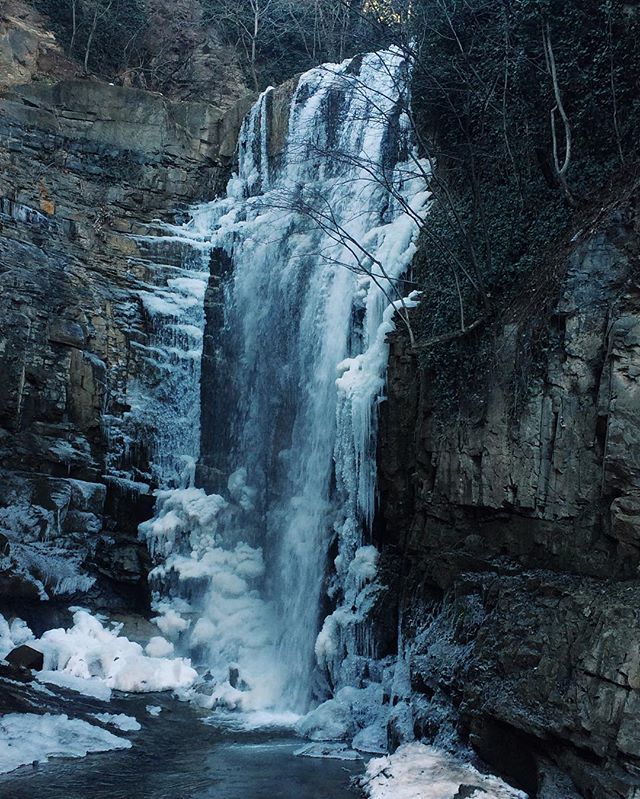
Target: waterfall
{"points": [[319, 230]]}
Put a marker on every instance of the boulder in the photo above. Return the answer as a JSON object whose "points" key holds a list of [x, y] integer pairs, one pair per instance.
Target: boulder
{"points": [[26, 657]]}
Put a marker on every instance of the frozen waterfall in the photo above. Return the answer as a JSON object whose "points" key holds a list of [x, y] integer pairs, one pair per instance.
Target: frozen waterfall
{"points": [[268, 583]]}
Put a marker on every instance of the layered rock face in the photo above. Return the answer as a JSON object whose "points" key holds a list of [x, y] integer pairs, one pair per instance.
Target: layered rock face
{"points": [[87, 171], [512, 540]]}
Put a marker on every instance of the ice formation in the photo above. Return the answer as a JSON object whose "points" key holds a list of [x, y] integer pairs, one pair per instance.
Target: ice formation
{"points": [[119, 720], [163, 388], [38, 552], [13, 634], [416, 771], [26, 738], [95, 660], [320, 233]]}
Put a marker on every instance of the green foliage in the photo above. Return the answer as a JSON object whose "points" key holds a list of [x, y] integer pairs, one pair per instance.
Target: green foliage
{"points": [[483, 98]]}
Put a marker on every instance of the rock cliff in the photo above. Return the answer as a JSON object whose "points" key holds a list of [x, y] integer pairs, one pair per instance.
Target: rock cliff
{"points": [[512, 538], [87, 171]]}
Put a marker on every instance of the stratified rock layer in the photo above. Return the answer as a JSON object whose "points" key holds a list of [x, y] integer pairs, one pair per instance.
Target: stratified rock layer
{"points": [[86, 169], [512, 540]]}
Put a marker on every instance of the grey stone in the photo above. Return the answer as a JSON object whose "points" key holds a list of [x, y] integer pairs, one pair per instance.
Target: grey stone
{"points": [[87, 168], [25, 657], [64, 331], [519, 538]]}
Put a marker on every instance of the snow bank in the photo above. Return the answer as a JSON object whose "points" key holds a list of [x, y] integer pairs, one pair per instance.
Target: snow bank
{"points": [[94, 660], [89, 686], [89, 657], [26, 737], [417, 771]]}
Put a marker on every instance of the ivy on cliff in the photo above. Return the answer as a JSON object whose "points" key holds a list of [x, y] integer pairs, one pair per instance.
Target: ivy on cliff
{"points": [[527, 110]]}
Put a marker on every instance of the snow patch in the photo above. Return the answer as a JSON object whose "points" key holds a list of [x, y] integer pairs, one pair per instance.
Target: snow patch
{"points": [[417, 771], [27, 738]]}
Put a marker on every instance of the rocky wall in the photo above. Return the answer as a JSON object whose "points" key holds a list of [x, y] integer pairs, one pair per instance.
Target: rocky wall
{"points": [[511, 539], [87, 171]]}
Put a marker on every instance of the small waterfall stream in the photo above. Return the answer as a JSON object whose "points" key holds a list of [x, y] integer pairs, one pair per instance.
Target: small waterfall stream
{"points": [[268, 584]]}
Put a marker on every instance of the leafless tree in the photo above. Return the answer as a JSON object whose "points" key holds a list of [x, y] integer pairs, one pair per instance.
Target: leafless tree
{"points": [[74, 25], [561, 169], [246, 21], [99, 10]]}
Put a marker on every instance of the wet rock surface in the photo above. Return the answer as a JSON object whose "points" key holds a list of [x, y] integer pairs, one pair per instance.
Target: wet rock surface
{"points": [[511, 541]]}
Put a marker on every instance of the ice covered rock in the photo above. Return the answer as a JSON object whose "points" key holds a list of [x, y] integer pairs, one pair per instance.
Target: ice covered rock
{"points": [[91, 658], [416, 771]]}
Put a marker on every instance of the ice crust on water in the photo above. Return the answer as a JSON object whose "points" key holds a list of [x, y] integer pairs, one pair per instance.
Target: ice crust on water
{"points": [[119, 720], [239, 580], [416, 771], [26, 738]]}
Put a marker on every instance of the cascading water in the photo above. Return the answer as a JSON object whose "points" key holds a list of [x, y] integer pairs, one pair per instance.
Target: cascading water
{"points": [[319, 233]]}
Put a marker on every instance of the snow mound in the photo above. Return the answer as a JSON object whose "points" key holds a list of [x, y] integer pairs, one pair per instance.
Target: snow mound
{"points": [[26, 737], [417, 771], [159, 647], [94, 660]]}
